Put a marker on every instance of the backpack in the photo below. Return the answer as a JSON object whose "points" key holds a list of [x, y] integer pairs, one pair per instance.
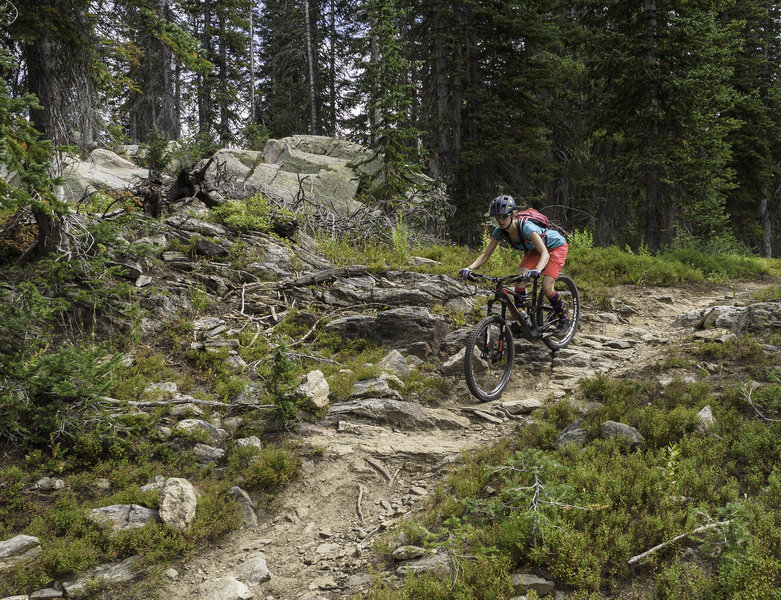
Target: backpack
{"points": [[532, 215]]}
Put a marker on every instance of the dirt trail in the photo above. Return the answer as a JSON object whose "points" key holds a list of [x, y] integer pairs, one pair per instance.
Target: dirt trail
{"points": [[317, 541]]}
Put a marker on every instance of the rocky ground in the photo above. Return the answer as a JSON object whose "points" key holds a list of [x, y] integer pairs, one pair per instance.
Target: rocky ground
{"points": [[316, 541]]}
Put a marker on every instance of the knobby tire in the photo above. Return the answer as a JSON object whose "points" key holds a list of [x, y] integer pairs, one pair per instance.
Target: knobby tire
{"points": [[488, 358], [568, 292]]}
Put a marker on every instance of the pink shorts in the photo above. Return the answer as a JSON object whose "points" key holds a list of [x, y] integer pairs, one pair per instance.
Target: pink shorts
{"points": [[555, 264]]}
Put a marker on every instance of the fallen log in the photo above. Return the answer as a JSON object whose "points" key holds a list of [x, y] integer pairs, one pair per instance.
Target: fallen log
{"points": [[327, 275]]}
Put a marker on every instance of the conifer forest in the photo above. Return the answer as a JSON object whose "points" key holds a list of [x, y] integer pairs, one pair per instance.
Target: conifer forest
{"points": [[652, 124]]}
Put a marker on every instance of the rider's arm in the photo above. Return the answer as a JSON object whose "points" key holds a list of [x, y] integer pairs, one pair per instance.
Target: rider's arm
{"points": [[539, 245], [489, 250]]}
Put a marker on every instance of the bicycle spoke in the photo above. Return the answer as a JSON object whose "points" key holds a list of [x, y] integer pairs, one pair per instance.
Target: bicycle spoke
{"points": [[489, 358]]}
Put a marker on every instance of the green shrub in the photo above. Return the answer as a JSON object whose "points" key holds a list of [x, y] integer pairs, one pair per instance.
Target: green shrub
{"points": [[256, 213], [264, 469]]}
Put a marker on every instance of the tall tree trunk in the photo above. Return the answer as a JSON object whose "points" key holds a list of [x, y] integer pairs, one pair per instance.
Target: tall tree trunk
{"points": [[223, 82], [332, 70], [653, 223], [252, 63], [311, 63], [205, 119], [766, 248]]}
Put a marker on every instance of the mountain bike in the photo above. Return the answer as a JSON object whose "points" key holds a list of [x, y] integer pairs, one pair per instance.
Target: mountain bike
{"points": [[490, 347]]}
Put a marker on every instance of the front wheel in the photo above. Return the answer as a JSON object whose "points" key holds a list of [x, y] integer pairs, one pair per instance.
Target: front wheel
{"points": [[547, 319], [488, 358]]}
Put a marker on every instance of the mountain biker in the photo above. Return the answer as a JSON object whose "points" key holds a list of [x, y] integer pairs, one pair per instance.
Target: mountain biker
{"points": [[545, 251]]}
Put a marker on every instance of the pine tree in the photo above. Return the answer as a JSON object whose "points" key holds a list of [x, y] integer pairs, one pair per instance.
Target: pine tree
{"points": [[385, 83], [756, 147], [662, 74], [23, 151], [285, 94]]}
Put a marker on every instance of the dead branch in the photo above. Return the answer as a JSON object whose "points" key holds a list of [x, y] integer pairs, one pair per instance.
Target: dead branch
{"points": [[151, 403], [380, 468], [360, 497], [748, 390], [642, 555], [327, 275]]}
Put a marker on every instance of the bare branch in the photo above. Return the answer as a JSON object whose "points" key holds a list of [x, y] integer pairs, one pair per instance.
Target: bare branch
{"points": [[642, 555]]}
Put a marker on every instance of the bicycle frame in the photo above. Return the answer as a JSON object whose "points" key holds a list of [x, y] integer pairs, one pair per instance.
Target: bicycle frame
{"points": [[529, 329]]}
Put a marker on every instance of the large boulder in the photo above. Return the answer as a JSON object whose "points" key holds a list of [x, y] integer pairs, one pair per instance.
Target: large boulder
{"points": [[102, 170], [762, 317], [18, 550], [411, 328], [322, 168]]}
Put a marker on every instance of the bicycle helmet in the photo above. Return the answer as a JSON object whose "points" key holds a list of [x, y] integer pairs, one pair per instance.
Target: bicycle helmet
{"points": [[502, 205]]}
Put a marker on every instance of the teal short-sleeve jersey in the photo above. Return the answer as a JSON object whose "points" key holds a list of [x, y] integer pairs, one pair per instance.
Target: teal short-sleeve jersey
{"points": [[551, 237]]}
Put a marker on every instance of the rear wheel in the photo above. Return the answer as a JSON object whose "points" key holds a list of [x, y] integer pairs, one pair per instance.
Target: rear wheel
{"points": [[547, 318], [488, 358]]}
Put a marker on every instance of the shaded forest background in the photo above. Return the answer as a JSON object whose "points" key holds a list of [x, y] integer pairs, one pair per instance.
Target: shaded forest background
{"points": [[652, 124]]}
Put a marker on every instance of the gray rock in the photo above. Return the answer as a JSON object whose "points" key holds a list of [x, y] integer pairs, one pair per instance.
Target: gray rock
{"points": [[439, 565], [403, 326], [691, 319], [123, 517], [612, 429], [48, 484], [619, 344], [705, 419], [373, 388], [574, 434], [46, 594], [251, 441], [249, 517], [315, 390], [455, 340], [206, 453], [122, 572], [521, 407], [208, 323], [722, 317], [569, 357], [102, 170], [254, 571], [524, 582], [128, 269], [189, 223], [351, 326], [395, 363], [143, 281], [172, 256], [454, 366], [224, 588], [276, 261], [18, 550], [178, 503], [212, 248], [408, 552], [203, 427], [763, 317], [359, 580], [404, 415]]}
